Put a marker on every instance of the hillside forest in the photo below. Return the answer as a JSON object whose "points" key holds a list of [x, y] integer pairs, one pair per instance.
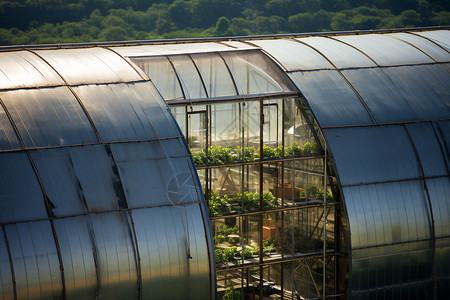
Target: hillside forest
{"points": [[71, 21]]}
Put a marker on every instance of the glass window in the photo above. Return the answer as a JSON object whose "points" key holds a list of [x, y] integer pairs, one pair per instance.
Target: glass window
{"points": [[35, 260], [255, 73], [189, 77], [425, 45], [386, 50], [340, 54], [163, 76], [373, 154], [80, 269], [327, 93], [90, 65], [215, 75], [21, 69], [48, 117], [8, 138], [19, 203], [116, 256], [293, 55]]}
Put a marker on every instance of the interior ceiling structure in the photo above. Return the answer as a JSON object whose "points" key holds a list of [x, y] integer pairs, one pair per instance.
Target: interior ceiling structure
{"points": [[86, 130]]}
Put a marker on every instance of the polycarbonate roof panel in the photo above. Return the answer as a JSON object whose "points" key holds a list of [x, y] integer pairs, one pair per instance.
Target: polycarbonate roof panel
{"points": [[6, 281], [372, 154], [255, 73], [127, 112], [439, 190], [293, 55], [381, 95], [189, 77], [443, 133], [90, 65], [161, 73], [327, 93], [386, 50], [171, 49], [426, 88], [238, 45], [340, 54], [430, 48], [441, 37], [48, 117], [215, 75], [8, 138], [24, 69]]}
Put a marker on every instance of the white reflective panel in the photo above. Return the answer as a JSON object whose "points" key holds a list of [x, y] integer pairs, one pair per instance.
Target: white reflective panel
{"points": [[35, 260], [75, 242], [238, 45], [90, 65], [6, 280], [116, 257], [340, 54], [293, 55], [254, 73], [163, 76], [48, 117], [24, 69], [8, 138], [189, 77], [373, 154], [436, 52], [386, 50], [441, 37], [170, 49], [127, 112], [215, 74]]}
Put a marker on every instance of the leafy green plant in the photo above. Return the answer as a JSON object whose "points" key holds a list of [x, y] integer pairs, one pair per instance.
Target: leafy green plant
{"points": [[232, 294], [224, 255], [248, 155], [314, 192]]}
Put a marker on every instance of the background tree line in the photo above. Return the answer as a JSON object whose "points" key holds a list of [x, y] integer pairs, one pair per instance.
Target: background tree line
{"points": [[58, 21]]}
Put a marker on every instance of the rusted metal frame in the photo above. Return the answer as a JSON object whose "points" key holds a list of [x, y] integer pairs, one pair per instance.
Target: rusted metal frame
{"points": [[385, 124], [11, 265], [428, 39], [226, 99], [361, 99], [279, 260], [230, 73], [261, 189], [394, 181], [281, 209], [199, 75], [44, 195], [177, 75], [98, 213], [430, 207], [91, 121]]}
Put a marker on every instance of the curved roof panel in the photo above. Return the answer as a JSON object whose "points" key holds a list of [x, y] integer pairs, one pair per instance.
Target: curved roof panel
{"points": [[440, 37]]}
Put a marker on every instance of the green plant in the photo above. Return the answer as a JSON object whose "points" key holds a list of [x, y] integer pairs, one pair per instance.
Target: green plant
{"points": [[232, 294], [217, 155], [278, 152], [224, 255], [268, 152], [248, 155], [216, 206], [314, 192], [199, 158]]}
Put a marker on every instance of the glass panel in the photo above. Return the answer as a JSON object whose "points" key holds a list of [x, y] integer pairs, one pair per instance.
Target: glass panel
{"points": [[116, 257], [75, 241], [255, 73], [327, 93], [382, 96], [442, 129], [150, 178], [293, 55], [82, 179], [6, 280], [48, 117], [429, 149], [215, 75], [340, 54], [386, 50], [8, 138], [162, 75], [440, 37], [387, 213], [21, 69], [230, 284], [416, 83], [373, 154], [126, 112], [19, 203], [436, 52], [35, 260], [303, 278], [189, 77], [439, 189], [90, 65]]}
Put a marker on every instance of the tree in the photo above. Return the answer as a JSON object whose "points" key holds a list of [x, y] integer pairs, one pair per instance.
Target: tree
{"points": [[222, 25]]}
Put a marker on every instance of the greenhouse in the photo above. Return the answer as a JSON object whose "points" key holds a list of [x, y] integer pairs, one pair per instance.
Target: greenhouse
{"points": [[276, 167]]}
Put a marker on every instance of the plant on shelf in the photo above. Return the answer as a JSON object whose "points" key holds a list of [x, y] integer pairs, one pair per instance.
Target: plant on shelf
{"points": [[218, 155], [219, 205], [224, 255], [232, 294], [216, 205], [313, 192], [250, 154]]}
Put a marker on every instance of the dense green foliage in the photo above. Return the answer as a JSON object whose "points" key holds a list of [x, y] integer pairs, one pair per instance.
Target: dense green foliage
{"points": [[56, 21]]}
